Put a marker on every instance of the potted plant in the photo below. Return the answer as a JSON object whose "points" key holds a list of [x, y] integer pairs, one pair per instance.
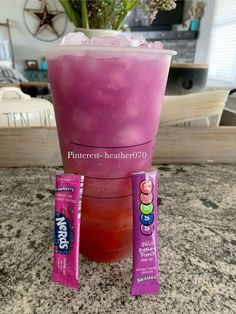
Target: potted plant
{"points": [[100, 18]]}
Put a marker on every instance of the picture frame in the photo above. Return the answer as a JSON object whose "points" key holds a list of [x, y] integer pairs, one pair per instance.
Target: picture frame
{"points": [[32, 64]]}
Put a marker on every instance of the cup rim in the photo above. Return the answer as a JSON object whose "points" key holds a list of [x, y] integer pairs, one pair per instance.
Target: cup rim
{"points": [[80, 48]]}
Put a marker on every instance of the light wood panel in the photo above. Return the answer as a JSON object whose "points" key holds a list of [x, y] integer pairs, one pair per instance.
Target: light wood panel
{"points": [[192, 107], [189, 66], [195, 145], [23, 147]]}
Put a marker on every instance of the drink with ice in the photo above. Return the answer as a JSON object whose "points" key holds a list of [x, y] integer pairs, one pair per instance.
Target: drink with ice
{"points": [[107, 103]]}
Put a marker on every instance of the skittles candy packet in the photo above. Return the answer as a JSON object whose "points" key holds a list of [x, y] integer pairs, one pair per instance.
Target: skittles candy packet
{"points": [[145, 274], [66, 230]]}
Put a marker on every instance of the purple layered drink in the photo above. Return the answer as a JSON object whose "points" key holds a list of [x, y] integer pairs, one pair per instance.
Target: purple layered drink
{"points": [[107, 102]]}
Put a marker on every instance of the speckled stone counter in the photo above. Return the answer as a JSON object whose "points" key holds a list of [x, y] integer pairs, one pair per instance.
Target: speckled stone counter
{"points": [[197, 248]]}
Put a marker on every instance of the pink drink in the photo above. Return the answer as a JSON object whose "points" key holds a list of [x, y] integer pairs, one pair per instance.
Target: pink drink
{"points": [[107, 101]]}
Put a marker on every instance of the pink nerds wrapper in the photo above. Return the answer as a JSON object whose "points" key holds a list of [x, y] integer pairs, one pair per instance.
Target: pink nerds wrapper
{"points": [[67, 229], [145, 274]]}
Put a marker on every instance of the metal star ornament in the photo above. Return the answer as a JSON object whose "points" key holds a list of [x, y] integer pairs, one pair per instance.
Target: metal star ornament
{"points": [[46, 17]]}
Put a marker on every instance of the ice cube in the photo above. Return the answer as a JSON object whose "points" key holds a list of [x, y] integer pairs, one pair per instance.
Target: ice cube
{"points": [[108, 41], [137, 41], [130, 135], [118, 80], [119, 40], [77, 38], [155, 45]]}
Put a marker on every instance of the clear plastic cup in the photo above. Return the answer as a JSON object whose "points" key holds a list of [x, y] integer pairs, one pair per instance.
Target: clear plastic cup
{"points": [[107, 104]]}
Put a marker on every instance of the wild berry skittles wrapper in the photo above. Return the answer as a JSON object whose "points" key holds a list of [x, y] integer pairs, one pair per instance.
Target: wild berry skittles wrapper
{"points": [[145, 273]]}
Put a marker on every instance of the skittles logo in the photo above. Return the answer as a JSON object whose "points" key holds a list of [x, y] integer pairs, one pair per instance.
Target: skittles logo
{"points": [[63, 234], [146, 207]]}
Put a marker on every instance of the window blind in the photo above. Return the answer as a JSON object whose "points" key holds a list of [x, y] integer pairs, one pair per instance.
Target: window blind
{"points": [[222, 55]]}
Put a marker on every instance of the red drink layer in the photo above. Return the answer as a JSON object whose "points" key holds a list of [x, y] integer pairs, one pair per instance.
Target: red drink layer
{"points": [[107, 105]]}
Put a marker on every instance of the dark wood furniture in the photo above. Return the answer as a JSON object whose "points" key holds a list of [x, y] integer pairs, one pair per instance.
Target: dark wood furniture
{"points": [[32, 88]]}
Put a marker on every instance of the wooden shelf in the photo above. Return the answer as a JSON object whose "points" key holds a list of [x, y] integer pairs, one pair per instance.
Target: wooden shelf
{"points": [[25, 147]]}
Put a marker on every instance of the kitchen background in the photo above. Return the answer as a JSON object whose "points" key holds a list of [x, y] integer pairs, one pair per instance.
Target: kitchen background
{"points": [[217, 29], [195, 154]]}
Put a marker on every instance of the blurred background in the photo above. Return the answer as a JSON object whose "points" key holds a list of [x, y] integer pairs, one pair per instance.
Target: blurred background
{"points": [[202, 32]]}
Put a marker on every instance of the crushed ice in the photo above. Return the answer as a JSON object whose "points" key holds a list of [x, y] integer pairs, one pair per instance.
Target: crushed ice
{"points": [[75, 39], [119, 40]]}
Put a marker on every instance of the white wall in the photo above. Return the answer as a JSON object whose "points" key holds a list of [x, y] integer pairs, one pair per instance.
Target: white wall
{"points": [[25, 45], [203, 42], [28, 47]]}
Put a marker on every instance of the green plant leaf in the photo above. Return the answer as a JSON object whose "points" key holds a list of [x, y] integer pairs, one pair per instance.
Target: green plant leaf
{"points": [[84, 14], [128, 5], [72, 14]]}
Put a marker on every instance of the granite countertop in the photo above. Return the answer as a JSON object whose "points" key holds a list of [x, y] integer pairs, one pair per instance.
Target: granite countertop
{"points": [[197, 243]]}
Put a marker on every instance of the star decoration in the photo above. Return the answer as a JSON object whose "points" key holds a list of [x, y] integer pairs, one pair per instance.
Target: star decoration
{"points": [[45, 17]]}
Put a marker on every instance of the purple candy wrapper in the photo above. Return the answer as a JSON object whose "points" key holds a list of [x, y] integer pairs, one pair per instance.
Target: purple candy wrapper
{"points": [[145, 274], [67, 230]]}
